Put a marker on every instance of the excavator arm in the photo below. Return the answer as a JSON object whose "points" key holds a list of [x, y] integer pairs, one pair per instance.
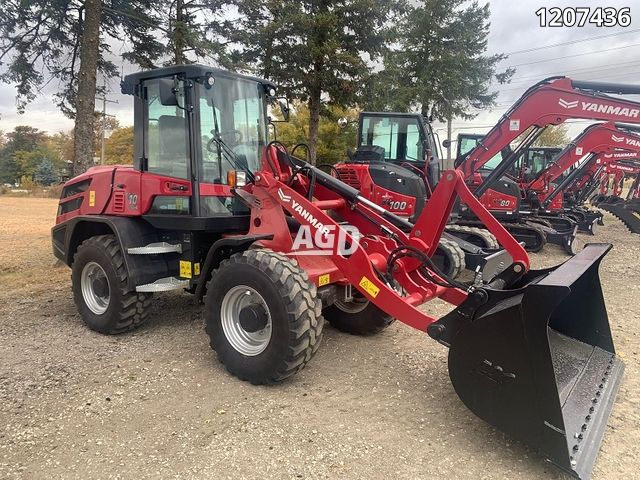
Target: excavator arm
{"points": [[551, 102], [595, 141], [597, 169]]}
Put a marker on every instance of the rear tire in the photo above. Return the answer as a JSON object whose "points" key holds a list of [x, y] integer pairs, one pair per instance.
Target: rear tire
{"points": [[99, 280], [358, 317], [280, 327]]}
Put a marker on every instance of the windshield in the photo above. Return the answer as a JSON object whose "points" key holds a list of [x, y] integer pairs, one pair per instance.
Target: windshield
{"points": [[232, 111], [398, 136]]}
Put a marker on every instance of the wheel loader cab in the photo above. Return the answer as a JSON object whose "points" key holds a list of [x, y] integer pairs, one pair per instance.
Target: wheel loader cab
{"points": [[194, 125]]}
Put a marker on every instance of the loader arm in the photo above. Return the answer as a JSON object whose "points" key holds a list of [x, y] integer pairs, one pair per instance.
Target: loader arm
{"points": [[596, 140], [381, 232], [551, 102]]}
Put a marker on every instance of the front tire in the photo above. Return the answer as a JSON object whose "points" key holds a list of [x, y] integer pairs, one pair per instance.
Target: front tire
{"points": [[99, 281], [357, 317], [263, 316]]}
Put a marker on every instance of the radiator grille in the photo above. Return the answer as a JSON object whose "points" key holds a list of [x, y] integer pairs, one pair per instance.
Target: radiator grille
{"points": [[349, 176], [118, 202]]}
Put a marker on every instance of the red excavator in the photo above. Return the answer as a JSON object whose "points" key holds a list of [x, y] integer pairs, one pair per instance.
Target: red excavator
{"points": [[549, 102], [274, 245], [588, 181], [545, 193], [609, 198]]}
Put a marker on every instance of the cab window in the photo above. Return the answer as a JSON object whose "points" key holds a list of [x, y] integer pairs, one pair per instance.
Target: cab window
{"points": [[166, 134], [400, 137]]}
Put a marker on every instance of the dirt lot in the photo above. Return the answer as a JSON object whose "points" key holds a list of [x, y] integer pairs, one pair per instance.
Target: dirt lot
{"points": [[156, 404]]}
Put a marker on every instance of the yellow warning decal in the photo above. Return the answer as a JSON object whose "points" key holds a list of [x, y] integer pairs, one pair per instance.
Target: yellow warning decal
{"points": [[196, 269], [369, 287], [324, 279], [185, 269], [92, 198]]}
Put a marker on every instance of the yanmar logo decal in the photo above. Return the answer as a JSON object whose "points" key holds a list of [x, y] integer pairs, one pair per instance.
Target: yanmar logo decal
{"points": [[627, 141], [564, 103], [600, 108], [327, 239], [283, 196], [621, 155]]}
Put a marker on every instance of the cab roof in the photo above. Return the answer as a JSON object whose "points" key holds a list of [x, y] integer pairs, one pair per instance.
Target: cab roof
{"points": [[194, 71]]}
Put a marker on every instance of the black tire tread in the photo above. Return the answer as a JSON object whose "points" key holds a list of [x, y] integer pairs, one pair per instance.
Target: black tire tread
{"points": [[488, 238], [134, 307], [304, 308], [455, 255]]}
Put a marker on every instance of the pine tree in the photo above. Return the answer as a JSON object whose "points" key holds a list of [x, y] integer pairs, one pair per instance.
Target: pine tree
{"points": [[67, 41], [439, 64], [45, 173], [318, 51]]}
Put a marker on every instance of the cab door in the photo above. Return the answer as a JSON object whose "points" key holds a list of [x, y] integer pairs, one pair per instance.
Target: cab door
{"points": [[166, 186]]}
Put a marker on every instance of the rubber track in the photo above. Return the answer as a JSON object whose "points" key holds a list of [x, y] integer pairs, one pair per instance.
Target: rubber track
{"points": [[304, 307], [455, 255], [488, 239], [134, 307], [512, 227]]}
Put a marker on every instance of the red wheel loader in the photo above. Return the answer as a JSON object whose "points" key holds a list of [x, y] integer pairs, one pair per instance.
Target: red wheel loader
{"points": [[210, 206]]}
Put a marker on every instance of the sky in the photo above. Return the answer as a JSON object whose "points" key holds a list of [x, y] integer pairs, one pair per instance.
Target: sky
{"points": [[514, 27]]}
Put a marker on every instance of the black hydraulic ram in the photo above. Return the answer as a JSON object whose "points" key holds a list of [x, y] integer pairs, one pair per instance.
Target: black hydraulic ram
{"points": [[568, 180]]}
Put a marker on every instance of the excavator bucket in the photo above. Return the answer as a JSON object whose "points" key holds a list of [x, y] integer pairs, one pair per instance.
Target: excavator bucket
{"points": [[537, 361]]}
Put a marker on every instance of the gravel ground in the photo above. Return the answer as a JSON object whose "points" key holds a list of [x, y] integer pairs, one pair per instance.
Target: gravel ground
{"points": [[155, 403]]}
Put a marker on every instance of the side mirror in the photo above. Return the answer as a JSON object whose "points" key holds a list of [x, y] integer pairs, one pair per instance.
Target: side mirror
{"points": [[284, 108], [446, 143], [343, 122], [168, 93]]}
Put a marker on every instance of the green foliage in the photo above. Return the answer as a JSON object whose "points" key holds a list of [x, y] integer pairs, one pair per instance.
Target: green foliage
{"points": [[40, 39], [194, 29], [45, 173], [333, 141], [119, 147], [27, 183], [553, 136], [24, 151], [439, 63]]}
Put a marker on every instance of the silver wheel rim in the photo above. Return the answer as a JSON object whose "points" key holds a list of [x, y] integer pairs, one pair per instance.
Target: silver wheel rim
{"points": [[246, 343], [358, 304], [92, 275], [594, 227]]}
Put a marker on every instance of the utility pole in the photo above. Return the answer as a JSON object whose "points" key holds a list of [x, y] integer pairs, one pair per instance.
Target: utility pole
{"points": [[449, 142], [104, 117]]}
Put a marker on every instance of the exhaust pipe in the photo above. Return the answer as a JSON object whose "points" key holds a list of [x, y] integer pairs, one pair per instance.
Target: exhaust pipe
{"points": [[537, 361]]}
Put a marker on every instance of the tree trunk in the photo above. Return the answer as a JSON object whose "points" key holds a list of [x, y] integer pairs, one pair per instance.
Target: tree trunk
{"points": [[314, 123], [178, 35], [83, 147]]}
